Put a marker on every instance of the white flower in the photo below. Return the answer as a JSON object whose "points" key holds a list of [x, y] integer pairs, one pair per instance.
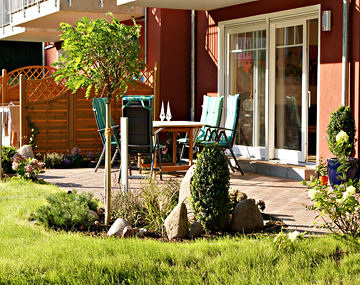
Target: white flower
{"points": [[314, 193], [351, 190], [292, 236], [342, 137]]}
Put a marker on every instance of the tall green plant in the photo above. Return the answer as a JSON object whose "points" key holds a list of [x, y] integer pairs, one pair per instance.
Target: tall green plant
{"points": [[105, 56], [341, 120], [209, 188]]}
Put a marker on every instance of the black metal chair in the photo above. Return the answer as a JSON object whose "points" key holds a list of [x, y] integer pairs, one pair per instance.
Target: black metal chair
{"points": [[142, 141]]}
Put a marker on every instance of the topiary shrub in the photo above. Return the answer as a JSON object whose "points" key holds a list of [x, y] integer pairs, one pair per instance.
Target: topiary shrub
{"points": [[67, 211], [341, 120], [209, 188]]}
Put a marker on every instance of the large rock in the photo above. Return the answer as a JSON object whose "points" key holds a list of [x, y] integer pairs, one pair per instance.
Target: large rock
{"points": [[26, 151], [176, 224], [196, 230], [185, 191], [246, 217], [118, 227]]}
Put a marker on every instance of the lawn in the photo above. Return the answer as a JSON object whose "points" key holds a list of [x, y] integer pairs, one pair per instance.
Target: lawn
{"points": [[33, 255]]}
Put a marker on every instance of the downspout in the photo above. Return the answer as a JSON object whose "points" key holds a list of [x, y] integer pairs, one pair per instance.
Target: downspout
{"points": [[345, 52], [145, 37], [192, 73]]}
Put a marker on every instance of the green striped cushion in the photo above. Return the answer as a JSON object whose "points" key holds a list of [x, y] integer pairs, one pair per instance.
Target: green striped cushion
{"points": [[99, 107]]}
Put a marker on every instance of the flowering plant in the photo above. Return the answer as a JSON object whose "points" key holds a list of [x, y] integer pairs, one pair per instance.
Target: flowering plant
{"points": [[287, 242], [27, 168], [338, 207]]}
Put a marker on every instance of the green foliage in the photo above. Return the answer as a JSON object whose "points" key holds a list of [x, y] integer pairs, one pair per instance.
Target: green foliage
{"points": [[67, 211], [321, 168], [100, 55], [147, 207], [339, 208], [69, 160], [6, 155], [341, 120], [53, 160], [209, 188]]}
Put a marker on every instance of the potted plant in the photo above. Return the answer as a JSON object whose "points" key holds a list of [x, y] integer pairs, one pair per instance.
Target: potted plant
{"points": [[321, 170], [341, 141]]}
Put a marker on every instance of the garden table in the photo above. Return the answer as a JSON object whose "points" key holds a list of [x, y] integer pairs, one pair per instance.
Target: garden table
{"points": [[192, 128]]}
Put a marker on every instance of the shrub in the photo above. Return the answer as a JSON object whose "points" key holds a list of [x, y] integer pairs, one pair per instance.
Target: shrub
{"points": [[339, 208], [27, 168], [209, 188], [341, 120], [7, 154], [147, 207], [67, 211]]}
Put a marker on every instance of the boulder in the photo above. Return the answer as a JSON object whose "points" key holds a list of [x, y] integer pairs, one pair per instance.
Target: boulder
{"points": [[246, 217], [196, 230], [118, 227], [185, 191], [176, 224], [94, 214], [26, 151], [128, 232]]}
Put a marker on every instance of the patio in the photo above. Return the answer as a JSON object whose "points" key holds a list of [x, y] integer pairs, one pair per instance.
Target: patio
{"points": [[284, 198]]}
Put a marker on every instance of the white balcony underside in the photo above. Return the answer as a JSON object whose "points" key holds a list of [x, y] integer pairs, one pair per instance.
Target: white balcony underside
{"points": [[184, 4], [29, 35], [41, 21]]}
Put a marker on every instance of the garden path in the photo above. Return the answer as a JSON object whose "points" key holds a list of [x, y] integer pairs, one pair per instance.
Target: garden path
{"points": [[284, 198]]}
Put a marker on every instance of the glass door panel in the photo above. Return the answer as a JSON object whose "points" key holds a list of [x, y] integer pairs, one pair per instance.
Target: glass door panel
{"points": [[247, 65], [290, 93]]}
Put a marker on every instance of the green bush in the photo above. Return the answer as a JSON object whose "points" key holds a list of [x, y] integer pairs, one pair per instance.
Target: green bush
{"points": [[209, 188], [341, 120], [7, 154], [67, 211], [147, 207]]}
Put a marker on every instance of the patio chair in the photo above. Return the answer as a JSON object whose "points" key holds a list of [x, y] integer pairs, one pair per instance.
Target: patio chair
{"points": [[99, 108], [210, 115], [225, 136], [142, 141]]}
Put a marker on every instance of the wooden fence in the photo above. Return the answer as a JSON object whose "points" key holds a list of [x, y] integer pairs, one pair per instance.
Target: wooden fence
{"points": [[64, 119]]}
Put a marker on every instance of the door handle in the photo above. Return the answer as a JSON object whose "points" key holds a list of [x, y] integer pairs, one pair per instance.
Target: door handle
{"points": [[309, 95]]}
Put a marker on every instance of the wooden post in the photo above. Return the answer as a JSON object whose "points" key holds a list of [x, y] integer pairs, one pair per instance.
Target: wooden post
{"points": [[156, 91], [108, 163], [23, 105]]}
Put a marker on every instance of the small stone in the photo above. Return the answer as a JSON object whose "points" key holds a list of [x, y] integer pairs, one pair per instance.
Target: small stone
{"points": [[140, 234], [94, 214], [128, 232], [96, 223], [196, 230], [118, 227]]}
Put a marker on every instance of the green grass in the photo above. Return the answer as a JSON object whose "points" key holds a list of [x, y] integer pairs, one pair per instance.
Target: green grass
{"points": [[32, 255]]}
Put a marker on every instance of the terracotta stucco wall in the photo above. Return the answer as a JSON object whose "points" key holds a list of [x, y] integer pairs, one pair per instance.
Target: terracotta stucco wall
{"points": [[169, 42]]}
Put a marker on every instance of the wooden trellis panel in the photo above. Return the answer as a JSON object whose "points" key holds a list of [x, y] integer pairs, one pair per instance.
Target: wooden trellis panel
{"points": [[64, 119]]}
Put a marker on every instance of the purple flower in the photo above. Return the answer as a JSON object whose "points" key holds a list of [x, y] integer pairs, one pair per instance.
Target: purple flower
{"points": [[75, 151], [28, 168], [15, 165], [90, 155], [18, 158], [66, 162], [34, 161]]}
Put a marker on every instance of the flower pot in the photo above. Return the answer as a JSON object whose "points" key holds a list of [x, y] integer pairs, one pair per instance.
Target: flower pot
{"points": [[323, 180], [332, 166]]}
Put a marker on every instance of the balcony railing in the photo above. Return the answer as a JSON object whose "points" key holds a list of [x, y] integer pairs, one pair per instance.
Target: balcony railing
{"points": [[8, 7]]}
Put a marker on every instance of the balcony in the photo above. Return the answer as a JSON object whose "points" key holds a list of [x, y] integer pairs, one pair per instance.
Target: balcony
{"points": [[37, 20]]}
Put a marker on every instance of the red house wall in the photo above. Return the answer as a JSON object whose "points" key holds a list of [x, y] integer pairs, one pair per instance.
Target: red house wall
{"points": [[169, 39]]}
